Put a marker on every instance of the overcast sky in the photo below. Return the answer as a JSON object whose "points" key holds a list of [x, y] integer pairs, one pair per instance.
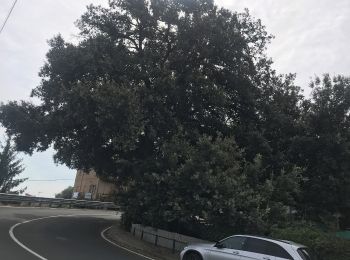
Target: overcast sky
{"points": [[311, 38]]}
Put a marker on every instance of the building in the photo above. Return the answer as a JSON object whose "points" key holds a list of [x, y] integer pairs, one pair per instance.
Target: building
{"points": [[89, 186]]}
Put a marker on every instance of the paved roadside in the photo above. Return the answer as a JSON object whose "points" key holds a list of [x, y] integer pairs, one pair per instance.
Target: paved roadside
{"points": [[8, 249], [58, 237], [125, 239]]}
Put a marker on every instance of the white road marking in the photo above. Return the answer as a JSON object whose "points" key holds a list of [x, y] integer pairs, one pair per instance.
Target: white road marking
{"points": [[21, 245], [31, 220], [124, 248]]}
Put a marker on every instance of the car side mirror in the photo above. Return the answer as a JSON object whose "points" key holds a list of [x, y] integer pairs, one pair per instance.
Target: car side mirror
{"points": [[219, 245]]}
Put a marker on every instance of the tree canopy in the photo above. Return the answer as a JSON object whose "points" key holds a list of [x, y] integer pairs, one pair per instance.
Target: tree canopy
{"points": [[142, 71], [67, 193], [177, 101], [323, 147]]}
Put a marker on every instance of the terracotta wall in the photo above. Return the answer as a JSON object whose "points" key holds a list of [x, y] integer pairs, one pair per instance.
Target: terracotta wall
{"points": [[90, 183]]}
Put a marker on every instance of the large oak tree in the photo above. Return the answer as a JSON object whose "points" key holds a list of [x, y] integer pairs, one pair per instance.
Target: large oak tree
{"points": [[141, 71]]}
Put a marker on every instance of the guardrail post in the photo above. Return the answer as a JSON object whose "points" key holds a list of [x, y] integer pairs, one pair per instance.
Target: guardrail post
{"points": [[142, 235], [174, 246], [156, 240]]}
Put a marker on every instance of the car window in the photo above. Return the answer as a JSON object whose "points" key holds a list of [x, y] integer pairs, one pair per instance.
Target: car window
{"points": [[233, 242], [265, 247], [307, 254]]}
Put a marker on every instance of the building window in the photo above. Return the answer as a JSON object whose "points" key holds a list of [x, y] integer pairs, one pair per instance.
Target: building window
{"points": [[92, 189]]}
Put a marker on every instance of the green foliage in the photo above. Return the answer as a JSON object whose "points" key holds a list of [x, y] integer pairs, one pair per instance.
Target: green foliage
{"points": [[327, 245], [141, 71], [323, 149], [10, 168], [208, 186], [67, 193]]}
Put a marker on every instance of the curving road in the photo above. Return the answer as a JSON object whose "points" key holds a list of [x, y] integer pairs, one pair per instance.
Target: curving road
{"points": [[67, 234]]}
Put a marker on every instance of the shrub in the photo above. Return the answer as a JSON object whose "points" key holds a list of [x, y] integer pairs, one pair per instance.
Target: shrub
{"points": [[326, 245]]}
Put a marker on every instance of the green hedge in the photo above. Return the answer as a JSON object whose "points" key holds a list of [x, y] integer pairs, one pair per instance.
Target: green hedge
{"points": [[326, 245]]}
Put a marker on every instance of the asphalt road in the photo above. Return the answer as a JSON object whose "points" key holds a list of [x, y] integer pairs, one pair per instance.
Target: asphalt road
{"points": [[75, 237]]}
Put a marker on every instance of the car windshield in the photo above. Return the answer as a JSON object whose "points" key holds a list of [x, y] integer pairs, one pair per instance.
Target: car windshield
{"points": [[307, 254]]}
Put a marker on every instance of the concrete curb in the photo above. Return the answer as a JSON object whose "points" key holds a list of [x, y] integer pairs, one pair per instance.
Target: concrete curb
{"points": [[125, 239]]}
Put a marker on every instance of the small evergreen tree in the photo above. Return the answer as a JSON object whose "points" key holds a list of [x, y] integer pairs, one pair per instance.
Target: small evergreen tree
{"points": [[10, 167]]}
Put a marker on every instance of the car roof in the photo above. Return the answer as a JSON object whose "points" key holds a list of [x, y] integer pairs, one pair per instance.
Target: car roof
{"points": [[274, 240]]}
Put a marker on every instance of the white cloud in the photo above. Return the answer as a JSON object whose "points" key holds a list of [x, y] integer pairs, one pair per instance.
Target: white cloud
{"points": [[312, 37]]}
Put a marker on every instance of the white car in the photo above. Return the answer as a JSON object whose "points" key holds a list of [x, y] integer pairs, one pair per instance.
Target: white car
{"points": [[244, 247]]}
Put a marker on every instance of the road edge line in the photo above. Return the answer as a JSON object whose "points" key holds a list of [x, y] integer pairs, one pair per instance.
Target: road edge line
{"points": [[21, 244], [124, 248], [13, 237]]}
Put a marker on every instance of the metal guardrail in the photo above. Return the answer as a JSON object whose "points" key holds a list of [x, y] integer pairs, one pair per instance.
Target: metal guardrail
{"points": [[54, 202], [174, 242]]}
